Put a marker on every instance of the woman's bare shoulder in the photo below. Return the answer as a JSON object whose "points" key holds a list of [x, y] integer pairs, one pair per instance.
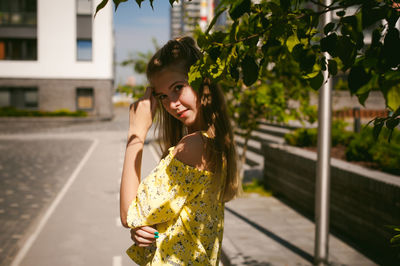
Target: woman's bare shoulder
{"points": [[191, 150]]}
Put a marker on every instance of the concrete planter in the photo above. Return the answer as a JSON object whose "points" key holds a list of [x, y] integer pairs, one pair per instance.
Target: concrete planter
{"points": [[362, 201]]}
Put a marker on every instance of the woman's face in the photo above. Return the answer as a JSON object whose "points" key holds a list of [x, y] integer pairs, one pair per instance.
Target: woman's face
{"points": [[171, 88]]}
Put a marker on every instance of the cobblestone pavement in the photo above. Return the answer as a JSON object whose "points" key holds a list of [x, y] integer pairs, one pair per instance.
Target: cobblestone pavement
{"points": [[32, 170], [31, 174]]}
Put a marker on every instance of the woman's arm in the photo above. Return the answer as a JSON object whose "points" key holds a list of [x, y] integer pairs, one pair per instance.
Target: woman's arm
{"points": [[141, 115]]}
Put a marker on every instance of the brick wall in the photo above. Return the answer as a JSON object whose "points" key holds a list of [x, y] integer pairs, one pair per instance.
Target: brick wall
{"points": [[362, 201]]}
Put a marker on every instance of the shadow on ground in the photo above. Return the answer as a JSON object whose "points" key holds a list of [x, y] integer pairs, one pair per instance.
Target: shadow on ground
{"points": [[305, 255]]}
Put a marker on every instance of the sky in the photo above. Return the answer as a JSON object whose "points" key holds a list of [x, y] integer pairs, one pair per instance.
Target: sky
{"points": [[134, 29]]}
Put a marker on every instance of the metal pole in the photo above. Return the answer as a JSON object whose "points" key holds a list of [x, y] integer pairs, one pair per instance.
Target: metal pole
{"points": [[357, 119], [323, 165]]}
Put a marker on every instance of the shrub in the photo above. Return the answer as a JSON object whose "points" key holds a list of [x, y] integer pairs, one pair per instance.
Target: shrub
{"points": [[307, 137], [359, 147], [387, 155], [302, 137], [339, 133], [363, 147], [13, 112]]}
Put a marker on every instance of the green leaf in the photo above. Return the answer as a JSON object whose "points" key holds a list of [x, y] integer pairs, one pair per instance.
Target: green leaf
{"points": [[297, 52], [316, 82], [395, 239], [378, 124], [392, 123], [195, 77], [291, 42], [151, 4], [391, 48], [202, 41], [393, 98], [329, 27], [238, 8], [357, 78], [214, 52], [272, 47], [250, 70], [346, 51], [214, 20], [233, 71], [171, 2], [139, 2], [332, 67], [372, 14], [117, 2], [218, 36], [100, 6], [307, 60], [328, 44], [322, 63], [363, 97]]}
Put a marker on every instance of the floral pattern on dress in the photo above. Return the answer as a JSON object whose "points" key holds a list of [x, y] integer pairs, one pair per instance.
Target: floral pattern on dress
{"points": [[176, 198]]}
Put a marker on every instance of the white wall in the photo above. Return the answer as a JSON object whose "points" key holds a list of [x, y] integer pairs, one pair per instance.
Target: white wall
{"points": [[56, 33]]}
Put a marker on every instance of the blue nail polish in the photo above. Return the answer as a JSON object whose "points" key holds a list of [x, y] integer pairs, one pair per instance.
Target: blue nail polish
{"points": [[156, 236]]}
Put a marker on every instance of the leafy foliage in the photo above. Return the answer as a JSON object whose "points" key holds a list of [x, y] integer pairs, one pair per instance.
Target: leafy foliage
{"points": [[363, 147], [307, 137], [395, 240], [264, 36], [359, 146]]}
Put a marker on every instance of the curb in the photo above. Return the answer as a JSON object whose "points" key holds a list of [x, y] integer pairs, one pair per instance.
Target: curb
{"points": [[56, 119]]}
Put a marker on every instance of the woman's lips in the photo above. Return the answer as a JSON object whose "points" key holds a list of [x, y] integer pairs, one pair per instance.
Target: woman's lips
{"points": [[182, 114]]}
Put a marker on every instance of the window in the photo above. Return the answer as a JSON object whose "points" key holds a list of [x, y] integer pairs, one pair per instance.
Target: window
{"points": [[84, 99], [18, 12], [20, 98], [84, 48], [30, 98], [84, 7], [84, 30], [18, 49], [5, 98]]}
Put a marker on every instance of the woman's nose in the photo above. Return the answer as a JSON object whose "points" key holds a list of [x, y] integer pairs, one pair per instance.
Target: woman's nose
{"points": [[174, 102]]}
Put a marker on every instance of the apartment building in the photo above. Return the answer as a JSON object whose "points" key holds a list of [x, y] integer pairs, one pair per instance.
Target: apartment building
{"points": [[186, 15], [55, 55]]}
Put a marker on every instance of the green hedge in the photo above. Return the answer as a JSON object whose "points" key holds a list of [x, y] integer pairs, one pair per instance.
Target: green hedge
{"points": [[359, 147], [363, 147], [13, 112], [307, 137]]}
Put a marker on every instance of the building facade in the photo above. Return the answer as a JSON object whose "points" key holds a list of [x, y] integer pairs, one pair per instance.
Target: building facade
{"points": [[186, 15], [55, 55]]}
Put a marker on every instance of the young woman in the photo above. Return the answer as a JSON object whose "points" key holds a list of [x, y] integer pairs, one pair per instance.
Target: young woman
{"points": [[176, 213]]}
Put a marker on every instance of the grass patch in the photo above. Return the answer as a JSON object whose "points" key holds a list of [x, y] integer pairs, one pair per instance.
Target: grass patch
{"points": [[257, 186], [13, 112]]}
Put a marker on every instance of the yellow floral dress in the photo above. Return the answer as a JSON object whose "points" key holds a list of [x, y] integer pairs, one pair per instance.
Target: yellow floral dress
{"points": [[179, 200]]}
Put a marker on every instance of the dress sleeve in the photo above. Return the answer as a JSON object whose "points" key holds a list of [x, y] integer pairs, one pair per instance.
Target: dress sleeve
{"points": [[165, 191]]}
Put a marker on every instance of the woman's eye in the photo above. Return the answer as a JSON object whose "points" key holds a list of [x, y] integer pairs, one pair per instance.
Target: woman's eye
{"points": [[178, 87], [162, 97]]}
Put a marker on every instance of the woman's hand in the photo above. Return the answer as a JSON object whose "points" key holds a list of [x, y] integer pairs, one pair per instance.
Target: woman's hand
{"points": [[141, 114], [144, 236]]}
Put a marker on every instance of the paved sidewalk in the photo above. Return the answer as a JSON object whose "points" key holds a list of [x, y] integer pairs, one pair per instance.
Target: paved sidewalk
{"points": [[81, 225], [264, 231]]}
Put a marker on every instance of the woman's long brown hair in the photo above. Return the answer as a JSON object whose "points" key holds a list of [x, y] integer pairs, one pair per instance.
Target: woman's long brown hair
{"points": [[220, 148]]}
